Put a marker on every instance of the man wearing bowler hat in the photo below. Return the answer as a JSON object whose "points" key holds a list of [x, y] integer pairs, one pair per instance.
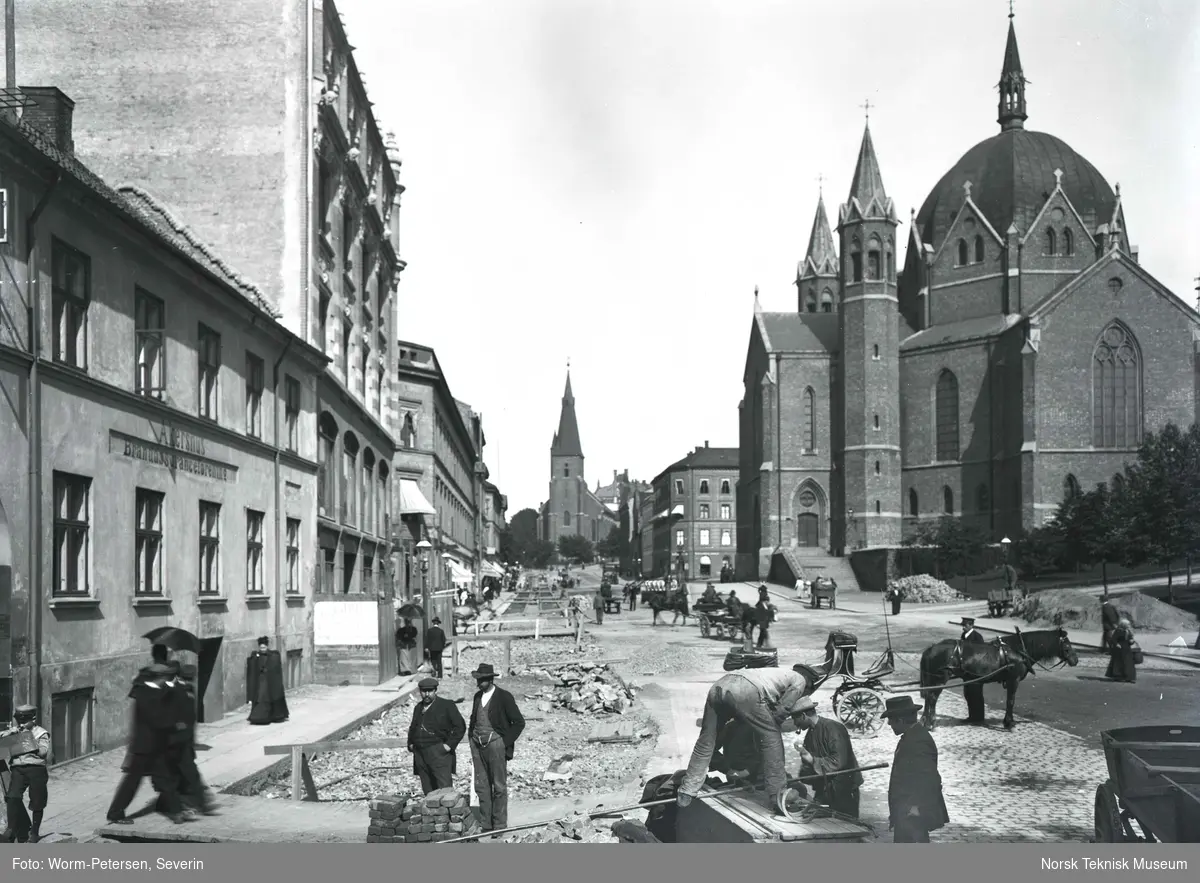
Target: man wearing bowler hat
{"points": [[496, 724], [435, 646], [433, 736], [973, 693], [915, 802]]}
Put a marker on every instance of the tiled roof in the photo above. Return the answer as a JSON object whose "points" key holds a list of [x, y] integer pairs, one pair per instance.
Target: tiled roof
{"points": [[960, 332], [143, 209], [801, 332], [705, 458]]}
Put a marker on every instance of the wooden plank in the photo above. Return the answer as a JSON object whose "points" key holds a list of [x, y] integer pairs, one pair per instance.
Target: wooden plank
{"points": [[297, 772], [311, 748], [1155, 770], [757, 815], [621, 731], [1155, 745]]}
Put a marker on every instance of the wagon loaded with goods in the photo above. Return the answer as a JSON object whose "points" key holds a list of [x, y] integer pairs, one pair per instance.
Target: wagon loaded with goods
{"points": [[1154, 780], [716, 622]]}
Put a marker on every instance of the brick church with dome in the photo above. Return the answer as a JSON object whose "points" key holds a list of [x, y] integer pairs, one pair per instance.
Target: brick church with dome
{"points": [[1019, 355]]}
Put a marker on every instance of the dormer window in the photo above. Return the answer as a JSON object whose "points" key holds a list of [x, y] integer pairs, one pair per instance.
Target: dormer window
{"points": [[962, 253]]}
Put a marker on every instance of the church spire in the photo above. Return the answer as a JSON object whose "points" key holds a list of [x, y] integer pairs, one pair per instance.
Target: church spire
{"points": [[868, 182], [566, 440], [1012, 113], [821, 257]]}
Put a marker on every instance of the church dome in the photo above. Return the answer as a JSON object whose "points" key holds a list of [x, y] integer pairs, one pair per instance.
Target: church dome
{"points": [[1012, 176]]}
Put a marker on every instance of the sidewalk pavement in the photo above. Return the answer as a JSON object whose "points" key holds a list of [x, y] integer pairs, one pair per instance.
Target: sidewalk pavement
{"points": [[229, 751]]}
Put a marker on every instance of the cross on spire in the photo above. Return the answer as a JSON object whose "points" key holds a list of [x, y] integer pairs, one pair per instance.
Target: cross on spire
{"points": [[1010, 9], [866, 106], [568, 363], [820, 183]]}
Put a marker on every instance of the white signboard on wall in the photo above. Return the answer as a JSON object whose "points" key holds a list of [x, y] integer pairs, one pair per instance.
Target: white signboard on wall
{"points": [[340, 623]]}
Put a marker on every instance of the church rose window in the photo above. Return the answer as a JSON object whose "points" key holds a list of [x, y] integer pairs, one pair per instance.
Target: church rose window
{"points": [[807, 499]]}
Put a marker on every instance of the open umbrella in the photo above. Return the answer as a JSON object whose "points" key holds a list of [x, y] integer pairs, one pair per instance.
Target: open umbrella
{"points": [[174, 638], [410, 611]]}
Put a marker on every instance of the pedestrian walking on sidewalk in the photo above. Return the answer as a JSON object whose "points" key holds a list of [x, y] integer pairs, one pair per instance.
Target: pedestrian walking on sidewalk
{"points": [[435, 646], [915, 802], [598, 607], [29, 747], [406, 647], [433, 736], [264, 685], [896, 597], [826, 749], [762, 698], [181, 749], [1109, 620], [496, 724], [1122, 665], [154, 719]]}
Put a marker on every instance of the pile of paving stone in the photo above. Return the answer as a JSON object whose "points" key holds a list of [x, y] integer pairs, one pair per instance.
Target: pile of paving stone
{"points": [[410, 818], [584, 688], [579, 828]]}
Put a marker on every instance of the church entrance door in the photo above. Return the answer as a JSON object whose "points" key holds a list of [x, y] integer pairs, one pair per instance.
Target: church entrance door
{"points": [[807, 529]]}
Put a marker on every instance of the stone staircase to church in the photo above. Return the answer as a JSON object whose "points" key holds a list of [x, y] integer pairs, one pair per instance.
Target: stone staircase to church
{"points": [[811, 563]]}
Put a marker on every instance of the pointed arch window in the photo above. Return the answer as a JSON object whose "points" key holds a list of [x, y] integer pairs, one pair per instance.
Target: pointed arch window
{"points": [[566, 470], [1116, 390], [873, 260], [946, 413], [810, 420], [1068, 242], [856, 261], [1051, 242], [979, 249], [947, 500], [811, 301], [826, 301], [1071, 489], [913, 507], [962, 252], [891, 266]]}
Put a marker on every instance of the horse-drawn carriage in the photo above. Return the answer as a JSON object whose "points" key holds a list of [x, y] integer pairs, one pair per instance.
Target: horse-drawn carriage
{"points": [[1154, 780], [1000, 601], [716, 621], [611, 604], [858, 700], [654, 591], [823, 590]]}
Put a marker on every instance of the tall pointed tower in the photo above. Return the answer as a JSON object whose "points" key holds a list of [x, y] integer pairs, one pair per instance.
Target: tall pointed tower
{"points": [[817, 285], [868, 476], [567, 487], [1012, 113]]}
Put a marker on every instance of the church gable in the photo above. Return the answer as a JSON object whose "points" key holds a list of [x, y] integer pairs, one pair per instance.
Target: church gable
{"points": [[967, 268], [1056, 246]]}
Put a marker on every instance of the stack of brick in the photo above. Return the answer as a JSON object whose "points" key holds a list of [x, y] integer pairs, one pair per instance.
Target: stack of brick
{"points": [[412, 818]]}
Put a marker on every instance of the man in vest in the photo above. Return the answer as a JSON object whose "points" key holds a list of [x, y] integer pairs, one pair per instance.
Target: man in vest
{"points": [[433, 736], [973, 693], [29, 748], [496, 724]]}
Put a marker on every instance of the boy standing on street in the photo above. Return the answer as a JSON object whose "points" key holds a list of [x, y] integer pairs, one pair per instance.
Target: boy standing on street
{"points": [[29, 748]]}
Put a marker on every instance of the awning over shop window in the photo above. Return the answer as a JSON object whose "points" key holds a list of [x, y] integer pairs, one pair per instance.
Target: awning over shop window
{"points": [[705, 560], [661, 515], [490, 569], [459, 575], [678, 510], [412, 501]]}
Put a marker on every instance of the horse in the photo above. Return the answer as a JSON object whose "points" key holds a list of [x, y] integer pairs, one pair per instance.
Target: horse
{"points": [[671, 603], [754, 616], [1005, 661]]}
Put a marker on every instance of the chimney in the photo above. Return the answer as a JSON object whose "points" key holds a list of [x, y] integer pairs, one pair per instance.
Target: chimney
{"points": [[706, 443], [614, 476], [50, 111]]}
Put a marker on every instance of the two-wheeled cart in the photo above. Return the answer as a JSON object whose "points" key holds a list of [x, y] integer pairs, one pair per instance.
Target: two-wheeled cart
{"points": [[1154, 780]]}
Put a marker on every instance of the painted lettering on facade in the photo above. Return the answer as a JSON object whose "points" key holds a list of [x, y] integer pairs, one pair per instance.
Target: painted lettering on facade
{"points": [[179, 440], [183, 453]]}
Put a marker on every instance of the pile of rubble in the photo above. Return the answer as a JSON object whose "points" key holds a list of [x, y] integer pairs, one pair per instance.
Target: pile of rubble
{"points": [[578, 828], [584, 688], [404, 818], [924, 589]]}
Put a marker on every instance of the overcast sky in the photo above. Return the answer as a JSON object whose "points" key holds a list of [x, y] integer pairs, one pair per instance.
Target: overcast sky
{"points": [[608, 181]]}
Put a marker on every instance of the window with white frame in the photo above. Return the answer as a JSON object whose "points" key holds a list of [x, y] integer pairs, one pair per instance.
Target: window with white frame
{"points": [[210, 548], [705, 537], [254, 552], [72, 535], [679, 538], [70, 296], [704, 510], [291, 397], [255, 383], [726, 538], [149, 348], [208, 357], [293, 556], [679, 485], [725, 516], [704, 486], [148, 543]]}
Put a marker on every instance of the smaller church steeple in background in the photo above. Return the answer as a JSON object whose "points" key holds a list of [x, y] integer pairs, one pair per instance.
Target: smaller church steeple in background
{"points": [[1012, 82], [817, 275]]}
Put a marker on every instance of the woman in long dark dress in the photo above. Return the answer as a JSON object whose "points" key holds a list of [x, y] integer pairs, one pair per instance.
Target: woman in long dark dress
{"points": [[1121, 666], [264, 685]]}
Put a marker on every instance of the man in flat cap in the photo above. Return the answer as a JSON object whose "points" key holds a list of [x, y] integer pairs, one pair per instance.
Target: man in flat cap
{"points": [[433, 736], [29, 753], [827, 749]]}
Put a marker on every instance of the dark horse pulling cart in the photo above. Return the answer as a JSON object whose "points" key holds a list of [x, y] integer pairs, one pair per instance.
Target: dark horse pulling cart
{"points": [[1154, 780], [716, 622]]}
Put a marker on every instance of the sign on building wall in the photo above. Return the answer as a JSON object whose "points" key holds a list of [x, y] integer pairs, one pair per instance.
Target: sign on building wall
{"points": [[340, 623], [173, 449]]}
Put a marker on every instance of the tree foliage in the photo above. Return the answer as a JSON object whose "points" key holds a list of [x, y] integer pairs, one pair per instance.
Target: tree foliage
{"points": [[576, 548], [611, 546], [955, 540], [521, 542]]}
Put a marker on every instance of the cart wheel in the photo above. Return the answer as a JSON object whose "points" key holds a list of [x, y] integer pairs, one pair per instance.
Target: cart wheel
{"points": [[1109, 828], [860, 709], [705, 628]]}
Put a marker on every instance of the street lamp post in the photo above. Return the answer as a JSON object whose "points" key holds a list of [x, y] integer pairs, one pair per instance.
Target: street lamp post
{"points": [[850, 523], [423, 548]]}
